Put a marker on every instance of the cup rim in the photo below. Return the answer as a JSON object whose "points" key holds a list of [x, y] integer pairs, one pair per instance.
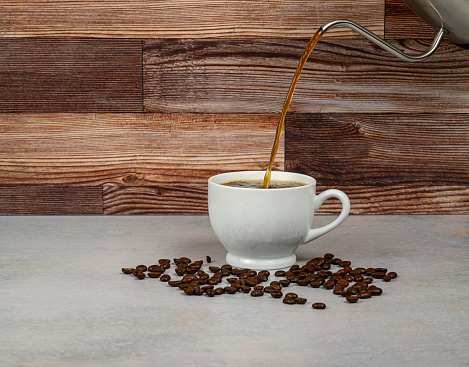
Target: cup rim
{"points": [[221, 178]]}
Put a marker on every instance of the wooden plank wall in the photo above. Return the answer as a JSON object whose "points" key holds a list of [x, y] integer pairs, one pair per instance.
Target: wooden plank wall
{"points": [[127, 107]]}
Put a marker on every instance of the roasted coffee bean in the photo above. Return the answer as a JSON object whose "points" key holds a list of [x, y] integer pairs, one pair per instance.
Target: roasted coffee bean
{"points": [[141, 268], [276, 287], [387, 278], [258, 287], [183, 260], [352, 299], [140, 275], [375, 291], [291, 295], [301, 300], [269, 289], [365, 294], [189, 291], [345, 293], [329, 256], [353, 291], [280, 273], [284, 282], [342, 272], [214, 269], [319, 306], [208, 259], [154, 274], [392, 274], [276, 294], [329, 284], [225, 272], [368, 280], [226, 266], [245, 288], [348, 278], [230, 290], [257, 293], [343, 264], [157, 268], [207, 287], [127, 270], [264, 272], [232, 280], [336, 261], [338, 289], [189, 278], [289, 300], [219, 291], [252, 282], [381, 270], [166, 265], [165, 278], [377, 275], [294, 267], [210, 292], [358, 278], [343, 282], [293, 278], [204, 276], [303, 282], [369, 271], [315, 284], [191, 270], [180, 271], [213, 280]]}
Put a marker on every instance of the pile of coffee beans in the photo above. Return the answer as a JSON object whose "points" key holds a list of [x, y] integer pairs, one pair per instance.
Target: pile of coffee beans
{"points": [[353, 284]]}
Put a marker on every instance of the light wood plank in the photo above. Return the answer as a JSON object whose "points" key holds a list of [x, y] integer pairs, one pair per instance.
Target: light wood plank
{"points": [[50, 200], [131, 149], [71, 75], [184, 18], [253, 76]]}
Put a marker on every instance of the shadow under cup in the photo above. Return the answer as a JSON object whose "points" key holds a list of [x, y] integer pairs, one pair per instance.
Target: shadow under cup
{"points": [[262, 228]]}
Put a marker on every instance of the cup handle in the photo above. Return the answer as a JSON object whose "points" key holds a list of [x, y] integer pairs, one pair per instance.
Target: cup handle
{"points": [[318, 201]]}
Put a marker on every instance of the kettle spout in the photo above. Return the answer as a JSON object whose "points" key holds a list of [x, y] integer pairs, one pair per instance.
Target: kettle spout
{"points": [[382, 43]]}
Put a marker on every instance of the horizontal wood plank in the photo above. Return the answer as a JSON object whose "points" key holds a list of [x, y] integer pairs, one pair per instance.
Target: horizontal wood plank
{"points": [[182, 199], [253, 76], [400, 199], [401, 22], [184, 18], [71, 75], [388, 163], [132, 149], [48, 200]]}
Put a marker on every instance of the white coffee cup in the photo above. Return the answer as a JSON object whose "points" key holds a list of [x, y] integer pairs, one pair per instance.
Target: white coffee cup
{"points": [[262, 228]]}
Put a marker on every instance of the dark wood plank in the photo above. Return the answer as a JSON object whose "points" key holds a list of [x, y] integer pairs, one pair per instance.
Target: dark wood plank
{"points": [[183, 18], [389, 163], [181, 199], [47, 200], [401, 22], [131, 149], [70, 75], [253, 76]]}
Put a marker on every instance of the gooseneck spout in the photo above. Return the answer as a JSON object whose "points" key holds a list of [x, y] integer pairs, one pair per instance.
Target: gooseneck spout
{"points": [[382, 43]]}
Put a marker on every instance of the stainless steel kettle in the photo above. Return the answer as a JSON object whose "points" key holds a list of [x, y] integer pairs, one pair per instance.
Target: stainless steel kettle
{"points": [[449, 17]]}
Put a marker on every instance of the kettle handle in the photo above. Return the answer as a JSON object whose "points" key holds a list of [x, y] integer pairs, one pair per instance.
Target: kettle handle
{"points": [[382, 43]]}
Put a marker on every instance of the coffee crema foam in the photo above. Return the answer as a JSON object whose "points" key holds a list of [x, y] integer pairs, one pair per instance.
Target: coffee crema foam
{"points": [[259, 184]]}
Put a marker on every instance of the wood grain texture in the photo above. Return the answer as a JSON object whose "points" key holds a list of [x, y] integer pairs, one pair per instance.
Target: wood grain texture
{"points": [[388, 163], [184, 198], [401, 199], [131, 149], [71, 75], [46, 200], [253, 76], [184, 18], [401, 22]]}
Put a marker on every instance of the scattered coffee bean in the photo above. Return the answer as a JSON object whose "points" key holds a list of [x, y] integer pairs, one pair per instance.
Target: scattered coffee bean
{"points": [[141, 268], [352, 299], [154, 274], [140, 275], [208, 259], [276, 294], [387, 278], [319, 306], [230, 290], [329, 256], [257, 293], [301, 300], [375, 291], [165, 278], [127, 270], [392, 274], [289, 300], [365, 294]]}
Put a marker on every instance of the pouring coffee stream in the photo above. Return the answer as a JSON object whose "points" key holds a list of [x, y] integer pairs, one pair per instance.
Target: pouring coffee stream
{"points": [[449, 17]]}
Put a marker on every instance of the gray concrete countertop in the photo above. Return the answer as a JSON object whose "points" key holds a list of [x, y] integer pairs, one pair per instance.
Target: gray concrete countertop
{"points": [[64, 301]]}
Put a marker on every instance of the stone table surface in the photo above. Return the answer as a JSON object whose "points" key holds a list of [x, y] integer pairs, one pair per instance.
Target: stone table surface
{"points": [[65, 302]]}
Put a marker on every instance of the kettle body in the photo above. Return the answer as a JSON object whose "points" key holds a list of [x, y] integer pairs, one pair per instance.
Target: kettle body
{"points": [[451, 15]]}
